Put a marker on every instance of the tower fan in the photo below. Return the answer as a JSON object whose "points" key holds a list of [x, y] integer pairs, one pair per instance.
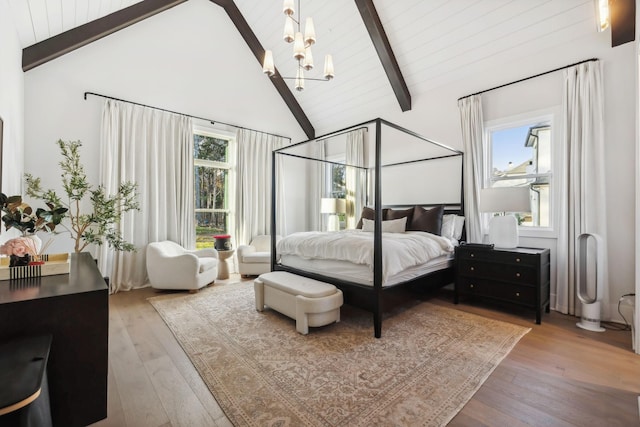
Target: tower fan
{"points": [[590, 280]]}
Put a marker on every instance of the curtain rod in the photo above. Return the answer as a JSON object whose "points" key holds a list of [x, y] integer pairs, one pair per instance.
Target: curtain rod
{"points": [[213, 122], [529, 78]]}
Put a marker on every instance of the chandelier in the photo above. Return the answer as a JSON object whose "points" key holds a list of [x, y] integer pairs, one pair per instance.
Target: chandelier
{"points": [[301, 48]]}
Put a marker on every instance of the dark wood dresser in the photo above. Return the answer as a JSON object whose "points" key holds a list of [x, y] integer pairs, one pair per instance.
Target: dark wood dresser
{"points": [[74, 309], [518, 276]]}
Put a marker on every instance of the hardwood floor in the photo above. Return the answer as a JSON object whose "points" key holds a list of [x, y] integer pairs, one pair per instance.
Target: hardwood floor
{"points": [[557, 375]]}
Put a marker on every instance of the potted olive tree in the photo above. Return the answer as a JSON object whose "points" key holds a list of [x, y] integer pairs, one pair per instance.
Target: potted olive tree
{"points": [[98, 225]]}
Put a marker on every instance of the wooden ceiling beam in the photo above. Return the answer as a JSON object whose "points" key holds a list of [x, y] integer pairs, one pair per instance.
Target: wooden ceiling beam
{"points": [[63, 43], [385, 53], [253, 43]]}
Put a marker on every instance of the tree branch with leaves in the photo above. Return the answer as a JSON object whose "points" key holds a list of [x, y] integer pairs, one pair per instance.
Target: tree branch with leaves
{"points": [[100, 224]]}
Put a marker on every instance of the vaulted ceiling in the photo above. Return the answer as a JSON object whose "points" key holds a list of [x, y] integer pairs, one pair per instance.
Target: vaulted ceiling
{"points": [[435, 42]]}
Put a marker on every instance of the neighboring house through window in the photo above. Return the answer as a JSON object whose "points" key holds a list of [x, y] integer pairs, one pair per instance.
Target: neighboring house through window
{"points": [[520, 153], [213, 168]]}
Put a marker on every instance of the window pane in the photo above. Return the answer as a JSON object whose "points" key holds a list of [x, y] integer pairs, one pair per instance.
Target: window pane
{"points": [[211, 187], [209, 224], [521, 150], [338, 181], [209, 148]]}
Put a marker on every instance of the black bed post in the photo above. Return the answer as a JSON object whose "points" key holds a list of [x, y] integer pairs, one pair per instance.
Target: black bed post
{"points": [[377, 238], [273, 210]]}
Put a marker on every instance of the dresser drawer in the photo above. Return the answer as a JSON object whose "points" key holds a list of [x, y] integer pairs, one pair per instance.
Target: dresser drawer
{"points": [[521, 274], [521, 295], [498, 256]]}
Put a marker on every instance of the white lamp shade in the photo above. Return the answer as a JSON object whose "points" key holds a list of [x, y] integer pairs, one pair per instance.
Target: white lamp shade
{"points": [[288, 34], [298, 46], [299, 82], [287, 7], [328, 67], [308, 59], [309, 32], [333, 206], [505, 199], [268, 67]]}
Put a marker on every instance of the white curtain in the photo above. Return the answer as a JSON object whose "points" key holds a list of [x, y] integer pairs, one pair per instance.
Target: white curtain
{"points": [[472, 134], [355, 177], [584, 208], [316, 185], [154, 149], [253, 196]]}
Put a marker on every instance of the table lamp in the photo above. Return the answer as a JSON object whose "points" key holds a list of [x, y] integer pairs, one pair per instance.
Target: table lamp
{"points": [[333, 207], [503, 229]]}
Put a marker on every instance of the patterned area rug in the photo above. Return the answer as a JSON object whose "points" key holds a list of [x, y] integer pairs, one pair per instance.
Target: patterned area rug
{"points": [[427, 365]]}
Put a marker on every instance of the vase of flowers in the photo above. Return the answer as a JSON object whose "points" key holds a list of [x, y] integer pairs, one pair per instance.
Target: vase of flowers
{"points": [[27, 249]]}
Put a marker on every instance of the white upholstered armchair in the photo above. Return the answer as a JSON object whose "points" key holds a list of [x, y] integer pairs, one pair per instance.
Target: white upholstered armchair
{"points": [[170, 266], [255, 258]]}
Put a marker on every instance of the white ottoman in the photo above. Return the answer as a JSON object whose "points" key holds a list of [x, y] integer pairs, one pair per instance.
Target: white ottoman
{"points": [[310, 302]]}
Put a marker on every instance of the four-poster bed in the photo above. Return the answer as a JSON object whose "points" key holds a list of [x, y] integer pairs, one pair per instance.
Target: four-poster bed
{"points": [[382, 179]]}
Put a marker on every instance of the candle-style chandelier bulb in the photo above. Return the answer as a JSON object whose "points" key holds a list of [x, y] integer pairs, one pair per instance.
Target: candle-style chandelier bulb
{"points": [[299, 83], [308, 59], [298, 46], [287, 7], [288, 35], [329, 73], [268, 66], [309, 33]]}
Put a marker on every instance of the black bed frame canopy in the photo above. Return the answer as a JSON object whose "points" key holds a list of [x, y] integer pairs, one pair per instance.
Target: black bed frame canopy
{"points": [[365, 296]]}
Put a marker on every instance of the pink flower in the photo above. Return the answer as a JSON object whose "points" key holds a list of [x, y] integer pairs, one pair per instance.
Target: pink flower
{"points": [[20, 246]]}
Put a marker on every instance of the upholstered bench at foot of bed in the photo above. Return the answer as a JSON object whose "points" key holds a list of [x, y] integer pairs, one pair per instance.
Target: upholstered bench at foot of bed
{"points": [[310, 302]]}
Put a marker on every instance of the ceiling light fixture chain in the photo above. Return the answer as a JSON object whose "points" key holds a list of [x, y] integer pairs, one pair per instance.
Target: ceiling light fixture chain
{"points": [[301, 48]]}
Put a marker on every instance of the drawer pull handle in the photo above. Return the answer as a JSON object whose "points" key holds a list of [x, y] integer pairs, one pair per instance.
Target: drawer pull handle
{"points": [[472, 255], [517, 294], [517, 259], [471, 268], [517, 274], [471, 286]]}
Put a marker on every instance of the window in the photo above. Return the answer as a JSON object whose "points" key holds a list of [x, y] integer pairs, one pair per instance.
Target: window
{"points": [[519, 154], [213, 190]]}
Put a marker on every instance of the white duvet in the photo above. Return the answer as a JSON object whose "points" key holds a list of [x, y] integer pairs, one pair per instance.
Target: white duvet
{"points": [[399, 250]]}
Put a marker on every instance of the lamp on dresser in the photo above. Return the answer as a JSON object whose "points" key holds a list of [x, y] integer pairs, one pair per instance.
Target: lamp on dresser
{"points": [[333, 207], [503, 229]]}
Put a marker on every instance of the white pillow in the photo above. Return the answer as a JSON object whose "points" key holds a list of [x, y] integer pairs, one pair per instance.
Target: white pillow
{"points": [[390, 226], [448, 226], [452, 226], [457, 229]]}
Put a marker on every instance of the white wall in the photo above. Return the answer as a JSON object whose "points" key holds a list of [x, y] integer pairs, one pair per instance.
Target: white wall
{"points": [[11, 103]]}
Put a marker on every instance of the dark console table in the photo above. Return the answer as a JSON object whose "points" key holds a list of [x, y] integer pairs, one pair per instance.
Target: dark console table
{"points": [[74, 309]]}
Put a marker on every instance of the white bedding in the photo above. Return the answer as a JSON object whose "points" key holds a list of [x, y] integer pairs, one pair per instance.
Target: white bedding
{"points": [[400, 251]]}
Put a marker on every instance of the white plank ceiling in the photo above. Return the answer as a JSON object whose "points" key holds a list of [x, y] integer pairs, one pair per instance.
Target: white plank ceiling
{"points": [[37, 20], [436, 42]]}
